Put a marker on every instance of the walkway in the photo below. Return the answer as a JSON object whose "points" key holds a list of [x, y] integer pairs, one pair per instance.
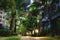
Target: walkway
{"points": [[34, 38]]}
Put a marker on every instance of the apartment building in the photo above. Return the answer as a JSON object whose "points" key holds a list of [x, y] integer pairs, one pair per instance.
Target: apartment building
{"points": [[2, 19]]}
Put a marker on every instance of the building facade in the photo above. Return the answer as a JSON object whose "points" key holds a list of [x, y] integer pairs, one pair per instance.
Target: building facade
{"points": [[2, 19]]}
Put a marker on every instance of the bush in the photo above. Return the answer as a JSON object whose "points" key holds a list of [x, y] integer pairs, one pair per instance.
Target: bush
{"points": [[22, 30], [13, 33], [4, 32]]}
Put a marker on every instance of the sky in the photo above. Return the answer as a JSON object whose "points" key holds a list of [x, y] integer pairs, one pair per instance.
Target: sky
{"points": [[31, 1]]}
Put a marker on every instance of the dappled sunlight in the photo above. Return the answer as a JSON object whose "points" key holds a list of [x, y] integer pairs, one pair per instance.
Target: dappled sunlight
{"points": [[29, 19]]}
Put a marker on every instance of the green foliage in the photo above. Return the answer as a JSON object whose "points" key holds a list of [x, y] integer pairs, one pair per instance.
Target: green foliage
{"points": [[4, 32], [22, 29], [33, 7]]}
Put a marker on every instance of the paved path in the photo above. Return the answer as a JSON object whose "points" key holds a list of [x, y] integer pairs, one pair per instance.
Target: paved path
{"points": [[33, 38]]}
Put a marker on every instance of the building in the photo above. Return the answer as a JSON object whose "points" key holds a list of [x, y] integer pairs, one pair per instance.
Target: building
{"points": [[2, 19]]}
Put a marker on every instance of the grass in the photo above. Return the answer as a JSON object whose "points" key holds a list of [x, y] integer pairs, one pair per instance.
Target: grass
{"points": [[10, 38]]}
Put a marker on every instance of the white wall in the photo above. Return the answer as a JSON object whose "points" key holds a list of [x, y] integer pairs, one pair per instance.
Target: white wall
{"points": [[3, 20]]}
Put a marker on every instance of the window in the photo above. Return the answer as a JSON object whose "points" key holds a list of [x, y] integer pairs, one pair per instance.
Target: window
{"points": [[0, 12], [0, 20], [3, 17], [0, 16]]}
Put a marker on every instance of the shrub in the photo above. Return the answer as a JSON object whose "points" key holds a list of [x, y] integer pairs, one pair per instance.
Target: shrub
{"points": [[13, 33], [4, 32]]}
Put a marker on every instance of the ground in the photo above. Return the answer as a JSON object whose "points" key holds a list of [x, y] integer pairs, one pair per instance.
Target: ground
{"points": [[36, 38], [19, 37]]}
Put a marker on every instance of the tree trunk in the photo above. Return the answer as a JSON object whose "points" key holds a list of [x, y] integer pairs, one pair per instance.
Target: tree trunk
{"points": [[15, 26], [12, 23]]}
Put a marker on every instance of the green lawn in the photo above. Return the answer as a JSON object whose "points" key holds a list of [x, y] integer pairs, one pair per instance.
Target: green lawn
{"points": [[10, 38]]}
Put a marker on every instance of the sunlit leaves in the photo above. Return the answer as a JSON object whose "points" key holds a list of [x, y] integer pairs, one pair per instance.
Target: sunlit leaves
{"points": [[21, 9], [32, 7]]}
